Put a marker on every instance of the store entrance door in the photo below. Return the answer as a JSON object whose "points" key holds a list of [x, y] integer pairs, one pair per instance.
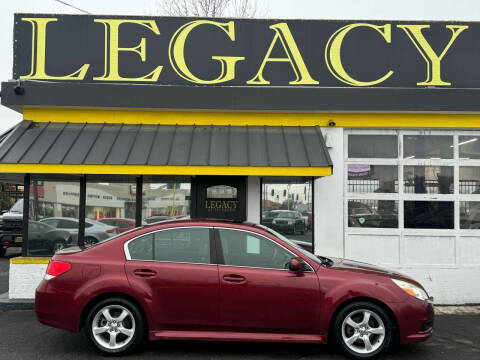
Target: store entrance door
{"points": [[219, 197]]}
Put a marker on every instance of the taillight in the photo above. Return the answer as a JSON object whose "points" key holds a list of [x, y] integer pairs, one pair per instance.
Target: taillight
{"points": [[110, 231], [56, 268]]}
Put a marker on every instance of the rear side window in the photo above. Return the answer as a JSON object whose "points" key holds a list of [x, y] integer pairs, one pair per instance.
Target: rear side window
{"points": [[141, 248], [183, 245], [108, 222], [123, 224], [67, 224]]}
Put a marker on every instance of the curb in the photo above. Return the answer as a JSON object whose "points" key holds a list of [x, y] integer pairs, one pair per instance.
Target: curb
{"points": [[7, 304]]}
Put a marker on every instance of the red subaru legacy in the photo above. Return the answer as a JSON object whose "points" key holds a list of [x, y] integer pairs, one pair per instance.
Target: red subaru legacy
{"points": [[212, 280]]}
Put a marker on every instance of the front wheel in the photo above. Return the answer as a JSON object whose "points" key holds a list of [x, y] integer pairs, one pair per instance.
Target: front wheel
{"points": [[114, 327], [363, 330]]}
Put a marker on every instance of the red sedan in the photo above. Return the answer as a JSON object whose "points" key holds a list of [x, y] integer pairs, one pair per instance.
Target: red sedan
{"points": [[208, 280], [123, 224]]}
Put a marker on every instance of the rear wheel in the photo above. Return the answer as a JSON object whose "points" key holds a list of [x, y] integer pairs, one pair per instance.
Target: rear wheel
{"points": [[363, 330], [90, 241], [114, 326], [58, 245]]}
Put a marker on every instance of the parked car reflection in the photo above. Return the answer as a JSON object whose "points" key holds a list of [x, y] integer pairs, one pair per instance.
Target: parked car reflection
{"points": [[122, 223], [285, 221], [44, 239], [94, 230], [361, 214]]}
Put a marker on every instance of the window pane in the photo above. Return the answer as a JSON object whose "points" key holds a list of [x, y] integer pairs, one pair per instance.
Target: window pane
{"points": [[141, 248], [427, 147], [52, 202], [372, 146], [469, 147], [469, 214], [373, 213], [287, 208], [221, 192], [372, 178], [241, 248], [469, 179], [163, 201], [428, 214], [190, 245], [428, 179]]}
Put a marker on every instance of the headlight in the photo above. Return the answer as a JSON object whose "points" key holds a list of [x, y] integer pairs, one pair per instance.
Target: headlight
{"points": [[411, 289]]}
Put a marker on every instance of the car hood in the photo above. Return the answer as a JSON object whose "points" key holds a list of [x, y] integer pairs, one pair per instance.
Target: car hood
{"points": [[12, 216], [365, 268]]}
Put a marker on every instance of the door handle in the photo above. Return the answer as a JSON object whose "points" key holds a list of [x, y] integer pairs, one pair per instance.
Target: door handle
{"points": [[144, 272], [234, 278]]}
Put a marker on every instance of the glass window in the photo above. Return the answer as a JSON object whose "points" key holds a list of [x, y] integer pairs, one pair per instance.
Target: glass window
{"points": [[164, 201], [372, 146], [287, 208], [469, 179], [469, 147], [241, 248], [427, 147], [141, 248], [428, 179], [469, 214], [221, 192], [373, 213], [428, 214], [188, 245], [372, 178], [50, 203]]}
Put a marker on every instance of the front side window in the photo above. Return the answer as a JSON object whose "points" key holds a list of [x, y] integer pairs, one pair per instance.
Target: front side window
{"points": [[242, 248]]}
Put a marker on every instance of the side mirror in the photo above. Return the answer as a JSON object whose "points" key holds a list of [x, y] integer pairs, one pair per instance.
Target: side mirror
{"points": [[297, 265]]}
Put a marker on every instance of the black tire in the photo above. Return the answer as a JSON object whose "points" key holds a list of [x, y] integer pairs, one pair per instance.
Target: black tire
{"points": [[138, 326], [89, 240], [3, 251], [58, 245], [358, 309]]}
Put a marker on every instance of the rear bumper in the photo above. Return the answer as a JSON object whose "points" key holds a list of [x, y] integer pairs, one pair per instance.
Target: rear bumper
{"points": [[54, 308], [7, 238], [415, 320]]}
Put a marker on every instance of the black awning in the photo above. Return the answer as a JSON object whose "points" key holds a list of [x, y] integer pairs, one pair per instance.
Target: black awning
{"points": [[66, 143]]}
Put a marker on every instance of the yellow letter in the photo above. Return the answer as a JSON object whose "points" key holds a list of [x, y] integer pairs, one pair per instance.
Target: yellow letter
{"points": [[111, 57], [177, 56], [334, 61], [39, 37], [294, 57], [414, 32]]}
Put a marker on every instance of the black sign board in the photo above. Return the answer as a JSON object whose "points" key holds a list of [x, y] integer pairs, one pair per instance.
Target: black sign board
{"points": [[246, 52]]}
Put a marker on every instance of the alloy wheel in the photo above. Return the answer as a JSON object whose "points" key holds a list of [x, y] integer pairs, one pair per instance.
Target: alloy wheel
{"points": [[113, 327], [363, 331]]}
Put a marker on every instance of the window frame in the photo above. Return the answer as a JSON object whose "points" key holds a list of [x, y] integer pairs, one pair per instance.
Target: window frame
{"points": [[456, 162], [219, 250], [212, 243]]}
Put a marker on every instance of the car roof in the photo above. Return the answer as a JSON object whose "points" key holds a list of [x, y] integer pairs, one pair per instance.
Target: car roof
{"points": [[203, 222]]}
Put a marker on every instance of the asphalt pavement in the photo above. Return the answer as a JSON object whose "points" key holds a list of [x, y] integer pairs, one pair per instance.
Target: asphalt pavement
{"points": [[456, 337]]}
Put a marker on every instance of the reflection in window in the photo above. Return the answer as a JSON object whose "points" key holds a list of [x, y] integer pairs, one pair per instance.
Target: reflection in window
{"points": [[287, 209], [372, 146], [163, 201], [469, 214], [469, 179], [190, 245], [428, 214], [373, 213], [469, 147], [221, 192], [49, 203], [372, 178], [427, 147], [428, 179]]}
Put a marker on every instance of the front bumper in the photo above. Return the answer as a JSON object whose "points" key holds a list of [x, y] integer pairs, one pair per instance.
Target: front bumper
{"points": [[415, 320]]}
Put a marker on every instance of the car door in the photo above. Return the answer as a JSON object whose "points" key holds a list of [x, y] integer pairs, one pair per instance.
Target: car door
{"points": [[175, 271], [257, 291]]}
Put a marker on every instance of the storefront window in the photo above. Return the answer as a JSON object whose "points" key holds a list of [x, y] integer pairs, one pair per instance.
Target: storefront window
{"points": [[164, 201], [469, 147], [428, 214], [287, 208], [372, 178], [428, 179], [469, 214], [53, 210], [469, 179], [372, 146], [427, 147], [373, 213], [109, 210]]}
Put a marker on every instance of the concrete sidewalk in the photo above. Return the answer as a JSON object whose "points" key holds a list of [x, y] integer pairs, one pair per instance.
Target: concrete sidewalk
{"points": [[456, 337]]}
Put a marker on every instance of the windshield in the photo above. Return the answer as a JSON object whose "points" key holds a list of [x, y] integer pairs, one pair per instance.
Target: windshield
{"points": [[292, 244], [18, 207]]}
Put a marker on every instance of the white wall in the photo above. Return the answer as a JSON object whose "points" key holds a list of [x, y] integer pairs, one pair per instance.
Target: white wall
{"points": [[253, 199], [24, 279], [328, 202]]}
